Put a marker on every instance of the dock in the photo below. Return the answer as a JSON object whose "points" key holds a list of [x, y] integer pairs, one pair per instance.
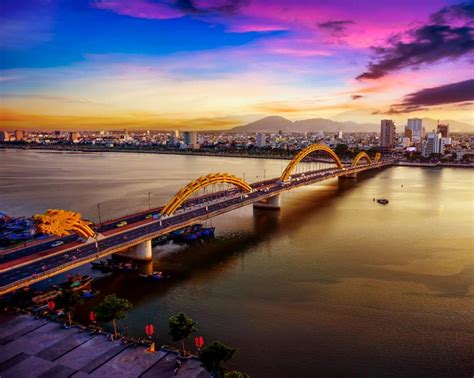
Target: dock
{"points": [[31, 347]]}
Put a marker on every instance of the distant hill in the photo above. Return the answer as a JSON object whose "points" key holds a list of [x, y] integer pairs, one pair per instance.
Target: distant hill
{"points": [[273, 124]]}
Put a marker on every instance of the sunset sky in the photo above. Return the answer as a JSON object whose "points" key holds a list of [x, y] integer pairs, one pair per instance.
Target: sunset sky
{"points": [[214, 64]]}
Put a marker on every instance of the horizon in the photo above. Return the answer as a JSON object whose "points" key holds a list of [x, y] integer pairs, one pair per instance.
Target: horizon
{"points": [[216, 64]]}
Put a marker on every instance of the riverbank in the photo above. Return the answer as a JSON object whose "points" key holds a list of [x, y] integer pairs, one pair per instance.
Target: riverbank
{"points": [[31, 347]]}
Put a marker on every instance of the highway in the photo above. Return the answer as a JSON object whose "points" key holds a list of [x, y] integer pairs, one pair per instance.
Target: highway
{"points": [[48, 262]]}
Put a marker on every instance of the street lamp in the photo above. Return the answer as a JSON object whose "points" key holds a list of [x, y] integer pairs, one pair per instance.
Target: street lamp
{"points": [[98, 210]]}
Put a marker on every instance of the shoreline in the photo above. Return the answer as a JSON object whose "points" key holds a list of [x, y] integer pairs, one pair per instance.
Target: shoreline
{"points": [[62, 149]]}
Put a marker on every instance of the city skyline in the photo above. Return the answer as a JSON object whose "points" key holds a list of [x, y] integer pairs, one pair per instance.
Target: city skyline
{"points": [[219, 64]]}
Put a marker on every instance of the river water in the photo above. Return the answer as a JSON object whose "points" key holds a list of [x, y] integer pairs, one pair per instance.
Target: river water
{"points": [[334, 284]]}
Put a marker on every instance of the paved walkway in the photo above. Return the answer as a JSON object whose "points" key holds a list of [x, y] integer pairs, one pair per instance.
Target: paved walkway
{"points": [[32, 347]]}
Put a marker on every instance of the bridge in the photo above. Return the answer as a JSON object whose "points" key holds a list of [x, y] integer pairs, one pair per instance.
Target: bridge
{"points": [[23, 266]]}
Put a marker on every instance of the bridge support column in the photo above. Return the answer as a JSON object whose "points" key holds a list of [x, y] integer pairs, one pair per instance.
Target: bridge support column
{"points": [[273, 203], [141, 252]]}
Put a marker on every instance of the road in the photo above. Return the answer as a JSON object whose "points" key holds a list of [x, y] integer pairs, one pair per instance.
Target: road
{"points": [[17, 266]]}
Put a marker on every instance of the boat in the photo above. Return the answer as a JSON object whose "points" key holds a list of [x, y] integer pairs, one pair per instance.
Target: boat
{"points": [[89, 293], [382, 201], [43, 297], [76, 283]]}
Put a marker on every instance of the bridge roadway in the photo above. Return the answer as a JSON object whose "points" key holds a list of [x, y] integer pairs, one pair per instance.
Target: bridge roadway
{"points": [[22, 271]]}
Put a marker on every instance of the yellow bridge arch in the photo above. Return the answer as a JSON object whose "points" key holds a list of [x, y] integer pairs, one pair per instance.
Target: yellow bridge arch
{"points": [[378, 156], [361, 155], [214, 178], [305, 152]]}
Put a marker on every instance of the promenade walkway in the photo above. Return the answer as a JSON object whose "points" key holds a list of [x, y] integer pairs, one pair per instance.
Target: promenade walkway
{"points": [[32, 347]]}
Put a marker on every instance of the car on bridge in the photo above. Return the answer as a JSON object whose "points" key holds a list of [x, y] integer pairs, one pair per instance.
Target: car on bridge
{"points": [[57, 243], [122, 223]]}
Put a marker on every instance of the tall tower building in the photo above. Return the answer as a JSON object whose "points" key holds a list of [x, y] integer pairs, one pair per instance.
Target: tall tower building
{"points": [[18, 135], [190, 138], [443, 128], [387, 133], [260, 140], [433, 144], [416, 126]]}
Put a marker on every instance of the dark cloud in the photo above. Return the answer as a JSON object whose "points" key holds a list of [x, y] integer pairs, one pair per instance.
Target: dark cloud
{"points": [[228, 6], [453, 93], [357, 97], [454, 12], [336, 28], [426, 44]]}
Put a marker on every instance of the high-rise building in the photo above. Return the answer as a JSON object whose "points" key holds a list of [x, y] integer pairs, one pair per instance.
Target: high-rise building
{"points": [[443, 128], [4, 136], [408, 133], [416, 126], [433, 144], [190, 139], [387, 133], [260, 140], [18, 135], [73, 137]]}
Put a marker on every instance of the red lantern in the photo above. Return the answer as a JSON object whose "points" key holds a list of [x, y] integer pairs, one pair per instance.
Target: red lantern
{"points": [[199, 342], [149, 330], [92, 316], [51, 305]]}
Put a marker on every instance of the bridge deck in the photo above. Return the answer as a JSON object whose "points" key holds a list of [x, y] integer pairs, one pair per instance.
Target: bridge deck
{"points": [[23, 272]]}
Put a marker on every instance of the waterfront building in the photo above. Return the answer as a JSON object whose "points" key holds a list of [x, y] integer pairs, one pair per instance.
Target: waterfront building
{"points": [[4, 136], [190, 139], [433, 144], [387, 133], [418, 132], [18, 135], [260, 140], [73, 137]]}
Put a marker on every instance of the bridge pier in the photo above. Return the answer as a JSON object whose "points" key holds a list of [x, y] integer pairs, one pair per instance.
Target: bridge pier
{"points": [[273, 203], [141, 252]]}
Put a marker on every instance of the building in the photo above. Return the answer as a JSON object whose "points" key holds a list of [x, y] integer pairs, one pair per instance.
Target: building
{"points": [[443, 128], [4, 136], [18, 135], [433, 144], [408, 133], [73, 137], [406, 142], [190, 139], [387, 133], [416, 126], [260, 140]]}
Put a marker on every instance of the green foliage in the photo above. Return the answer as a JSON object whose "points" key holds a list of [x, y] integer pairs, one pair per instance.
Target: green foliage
{"points": [[236, 374], [341, 149], [214, 355], [181, 327], [112, 308], [68, 300]]}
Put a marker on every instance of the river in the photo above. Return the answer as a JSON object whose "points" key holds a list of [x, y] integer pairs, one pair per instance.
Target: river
{"points": [[334, 284]]}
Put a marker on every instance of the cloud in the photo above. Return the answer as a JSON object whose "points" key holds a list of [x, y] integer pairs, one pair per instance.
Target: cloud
{"points": [[210, 6], [336, 28], [453, 93], [426, 44], [357, 97]]}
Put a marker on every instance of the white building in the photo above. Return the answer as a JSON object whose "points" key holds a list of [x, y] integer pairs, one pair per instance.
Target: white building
{"points": [[433, 144], [261, 141]]}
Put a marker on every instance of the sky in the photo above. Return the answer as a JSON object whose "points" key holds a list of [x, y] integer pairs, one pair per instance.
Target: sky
{"points": [[215, 64]]}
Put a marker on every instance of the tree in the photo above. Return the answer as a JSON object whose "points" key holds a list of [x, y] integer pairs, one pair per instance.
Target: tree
{"points": [[214, 355], [236, 374], [68, 300], [181, 327], [111, 309]]}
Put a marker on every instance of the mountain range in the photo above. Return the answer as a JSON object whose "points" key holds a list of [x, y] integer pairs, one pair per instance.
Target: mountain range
{"points": [[273, 124]]}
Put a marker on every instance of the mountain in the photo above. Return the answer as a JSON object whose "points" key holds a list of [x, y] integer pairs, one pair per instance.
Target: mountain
{"points": [[274, 124]]}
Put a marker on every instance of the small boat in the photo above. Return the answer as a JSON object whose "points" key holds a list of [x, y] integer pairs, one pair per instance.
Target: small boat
{"points": [[76, 283], [44, 297], [89, 293], [382, 201]]}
